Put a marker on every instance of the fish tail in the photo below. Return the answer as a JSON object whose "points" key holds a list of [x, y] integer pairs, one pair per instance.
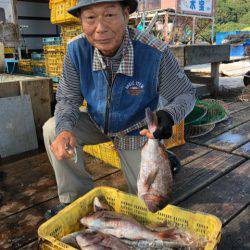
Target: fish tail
{"points": [[151, 120]]}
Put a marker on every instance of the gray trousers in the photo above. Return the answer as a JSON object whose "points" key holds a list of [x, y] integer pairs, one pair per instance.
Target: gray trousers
{"points": [[72, 178]]}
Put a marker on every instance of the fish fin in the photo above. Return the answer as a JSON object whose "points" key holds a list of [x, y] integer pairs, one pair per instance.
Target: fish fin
{"points": [[100, 204], [151, 177], [167, 234]]}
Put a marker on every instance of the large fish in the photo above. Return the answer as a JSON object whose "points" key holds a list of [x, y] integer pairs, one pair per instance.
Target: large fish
{"points": [[99, 241], [122, 226], [155, 181]]}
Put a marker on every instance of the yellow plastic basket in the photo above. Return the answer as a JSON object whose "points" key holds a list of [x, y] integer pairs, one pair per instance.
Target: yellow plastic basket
{"points": [[107, 153], [70, 31], [59, 11], [67, 220], [54, 57], [25, 66]]}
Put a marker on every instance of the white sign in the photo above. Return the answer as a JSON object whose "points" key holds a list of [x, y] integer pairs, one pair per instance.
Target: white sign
{"points": [[197, 6]]}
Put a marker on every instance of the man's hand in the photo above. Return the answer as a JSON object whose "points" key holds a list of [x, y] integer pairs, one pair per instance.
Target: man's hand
{"points": [[164, 129], [63, 146]]}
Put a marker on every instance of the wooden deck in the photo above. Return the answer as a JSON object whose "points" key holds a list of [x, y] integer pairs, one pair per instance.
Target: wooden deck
{"points": [[215, 178]]}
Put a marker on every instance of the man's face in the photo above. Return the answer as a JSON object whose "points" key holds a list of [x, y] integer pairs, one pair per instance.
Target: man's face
{"points": [[104, 25]]}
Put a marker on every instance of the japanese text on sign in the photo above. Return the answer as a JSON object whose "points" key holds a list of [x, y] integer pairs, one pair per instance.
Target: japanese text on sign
{"points": [[197, 6]]}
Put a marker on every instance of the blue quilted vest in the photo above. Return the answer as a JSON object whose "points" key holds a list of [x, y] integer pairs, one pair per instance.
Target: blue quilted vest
{"points": [[121, 107]]}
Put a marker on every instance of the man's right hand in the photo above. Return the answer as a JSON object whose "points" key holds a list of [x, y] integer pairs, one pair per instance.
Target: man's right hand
{"points": [[63, 146]]}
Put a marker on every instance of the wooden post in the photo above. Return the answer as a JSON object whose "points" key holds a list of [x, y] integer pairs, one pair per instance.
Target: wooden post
{"points": [[212, 32], [193, 30], [165, 31], [2, 64], [39, 91], [215, 75]]}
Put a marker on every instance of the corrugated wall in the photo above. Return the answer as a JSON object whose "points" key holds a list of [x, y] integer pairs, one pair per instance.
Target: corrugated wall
{"points": [[36, 17]]}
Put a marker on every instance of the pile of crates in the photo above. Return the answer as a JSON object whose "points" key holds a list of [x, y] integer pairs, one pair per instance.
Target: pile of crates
{"points": [[59, 14], [38, 64], [54, 53], [25, 66], [70, 31], [55, 47]]}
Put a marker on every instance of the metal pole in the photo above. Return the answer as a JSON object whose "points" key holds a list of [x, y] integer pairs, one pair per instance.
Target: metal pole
{"points": [[19, 53], [193, 34], [162, 13], [212, 32]]}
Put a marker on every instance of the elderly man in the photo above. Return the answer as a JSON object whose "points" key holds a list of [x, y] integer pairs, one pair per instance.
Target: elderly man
{"points": [[119, 71]]}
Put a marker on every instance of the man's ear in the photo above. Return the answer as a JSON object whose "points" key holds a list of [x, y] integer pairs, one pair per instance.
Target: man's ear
{"points": [[126, 12]]}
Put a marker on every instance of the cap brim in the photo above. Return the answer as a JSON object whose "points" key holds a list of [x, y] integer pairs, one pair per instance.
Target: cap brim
{"points": [[133, 4]]}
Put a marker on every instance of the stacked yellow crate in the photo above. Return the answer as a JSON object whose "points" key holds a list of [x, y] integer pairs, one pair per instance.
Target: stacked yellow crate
{"points": [[25, 66], [59, 14], [69, 31], [54, 56], [55, 48]]}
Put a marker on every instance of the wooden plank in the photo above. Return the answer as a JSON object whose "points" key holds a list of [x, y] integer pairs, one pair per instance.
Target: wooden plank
{"points": [[27, 182], [2, 65], [17, 128], [97, 168], [236, 234], [243, 150], [115, 180], [215, 75], [19, 229], [31, 246], [201, 54], [232, 139], [12, 228], [234, 120], [9, 89], [23, 188], [189, 152], [199, 79], [40, 94], [202, 90], [225, 197], [237, 106], [202, 171], [178, 53]]}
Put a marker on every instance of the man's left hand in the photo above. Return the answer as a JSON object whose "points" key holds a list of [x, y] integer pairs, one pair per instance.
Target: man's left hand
{"points": [[164, 128]]}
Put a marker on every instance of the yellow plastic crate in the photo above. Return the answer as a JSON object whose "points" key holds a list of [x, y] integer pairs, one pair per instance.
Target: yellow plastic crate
{"points": [[9, 50], [107, 153], [70, 31], [25, 66], [68, 220], [38, 63], [54, 57], [54, 48], [59, 11]]}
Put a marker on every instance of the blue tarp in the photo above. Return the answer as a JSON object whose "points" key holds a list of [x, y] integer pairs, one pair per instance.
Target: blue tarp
{"points": [[220, 36]]}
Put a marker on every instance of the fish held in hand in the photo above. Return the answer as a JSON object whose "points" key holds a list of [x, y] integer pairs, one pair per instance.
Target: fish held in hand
{"points": [[155, 180]]}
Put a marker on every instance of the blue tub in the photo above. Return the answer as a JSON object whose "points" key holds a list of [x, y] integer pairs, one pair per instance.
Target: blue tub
{"points": [[237, 50]]}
